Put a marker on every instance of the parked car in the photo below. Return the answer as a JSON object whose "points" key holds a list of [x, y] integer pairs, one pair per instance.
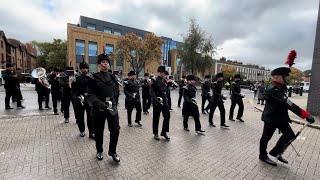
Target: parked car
{"points": [[26, 77]]}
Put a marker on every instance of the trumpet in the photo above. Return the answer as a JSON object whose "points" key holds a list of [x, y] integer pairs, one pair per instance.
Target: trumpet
{"points": [[40, 73], [194, 101], [81, 97], [119, 80], [160, 100]]}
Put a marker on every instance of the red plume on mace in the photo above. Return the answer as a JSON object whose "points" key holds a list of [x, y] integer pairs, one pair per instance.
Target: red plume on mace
{"points": [[290, 59]]}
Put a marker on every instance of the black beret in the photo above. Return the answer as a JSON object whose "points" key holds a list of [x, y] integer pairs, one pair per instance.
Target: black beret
{"points": [[219, 75], [161, 69], [9, 65], [131, 73], [237, 76], [103, 57], [283, 71], [83, 65], [183, 76], [166, 73], [55, 69], [191, 77], [146, 74], [207, 76], [69, 68]]}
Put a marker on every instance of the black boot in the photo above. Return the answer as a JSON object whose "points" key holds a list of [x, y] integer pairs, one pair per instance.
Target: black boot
{"points": [[268, 161]]}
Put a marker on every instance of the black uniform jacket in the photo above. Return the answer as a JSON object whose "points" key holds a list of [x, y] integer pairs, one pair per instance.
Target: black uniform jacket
{"points": [[235, 91], [159, 89], [55, 87], [80, 86], [182, 83], [189, 92], [131, 87], [101, 88], [145, 88], [206, 88], [278, 104], [10, 81], [217, 97]]}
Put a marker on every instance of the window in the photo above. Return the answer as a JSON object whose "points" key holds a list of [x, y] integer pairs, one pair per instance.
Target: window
{"points": [[140, 36], [91, 26], [1, 44], [80, 50], [117, 32], [109, 50], [2, 58], [107, 30], [92, 49]]}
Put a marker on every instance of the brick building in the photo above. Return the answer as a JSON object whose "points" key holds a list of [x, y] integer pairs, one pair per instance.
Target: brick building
{"points": [[14, 52], [90, 35]]}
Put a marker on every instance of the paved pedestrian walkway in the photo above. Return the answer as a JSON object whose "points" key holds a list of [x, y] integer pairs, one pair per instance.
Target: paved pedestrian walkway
{"points": [[44, 147]]}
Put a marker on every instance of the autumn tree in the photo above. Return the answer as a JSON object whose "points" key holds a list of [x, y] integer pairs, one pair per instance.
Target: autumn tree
{"points": [[51, 54], [228, 71], [196, 50], [139, 51], [295, 76]]}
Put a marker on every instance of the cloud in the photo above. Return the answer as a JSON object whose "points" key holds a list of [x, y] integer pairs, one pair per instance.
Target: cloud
{"points": [[260, 31]]}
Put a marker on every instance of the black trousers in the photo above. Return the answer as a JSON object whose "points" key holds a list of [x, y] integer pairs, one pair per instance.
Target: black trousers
{"points": [[268, 130], [240, 110], [213, 107], [130, 106], [169, 101], [79, 111], [10, 92], [146, 103], [41, 95], [157, 109], [99, 119], [192, 111], [204, 99], [66, 106], [117, 100], [180, 97], [55, 98]]}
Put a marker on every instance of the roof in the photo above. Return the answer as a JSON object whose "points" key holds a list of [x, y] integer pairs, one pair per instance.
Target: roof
{"points": [[14, 42]]}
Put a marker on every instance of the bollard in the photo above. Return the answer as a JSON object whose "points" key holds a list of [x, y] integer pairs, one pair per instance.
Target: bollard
{"points": [[301, 91], [290, 92]]}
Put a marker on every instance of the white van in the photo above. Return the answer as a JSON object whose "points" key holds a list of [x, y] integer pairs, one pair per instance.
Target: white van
{"points": [[305, 86]]}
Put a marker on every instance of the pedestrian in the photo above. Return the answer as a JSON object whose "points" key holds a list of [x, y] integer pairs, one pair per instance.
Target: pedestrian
{"points": [[42, 88], [217, 101], [236, 99], [146, 98], [101, 91], [275, 116], [66, 83], [10, 86], [261, 88], [53, 80], [80, 94], [160, 104], [255, 89], [190, 105], [131, 90], [182, 83], [169, 84], [206, 94]]}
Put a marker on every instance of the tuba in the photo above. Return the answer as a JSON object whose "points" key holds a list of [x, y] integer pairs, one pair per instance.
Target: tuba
{"points": [[40, 73]]}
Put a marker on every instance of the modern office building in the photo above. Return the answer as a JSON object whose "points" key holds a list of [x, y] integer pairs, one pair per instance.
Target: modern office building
{"points": [[89, 36]]}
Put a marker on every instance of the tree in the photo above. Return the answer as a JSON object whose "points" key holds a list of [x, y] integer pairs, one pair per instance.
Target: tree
{"points": [[51, 54], [197, 50], [295, 76], [228, 71], [139, 51]]}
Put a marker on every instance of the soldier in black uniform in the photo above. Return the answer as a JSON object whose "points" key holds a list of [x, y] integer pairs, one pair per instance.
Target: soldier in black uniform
{"points": [[53, 80], [275, 116], [80, 94], [182, 83], [66, 92], [10, 86], [42, 91], [206, 94], [190, 105], [236, 98], [169, 84], [217, 100], [160, 104], [101, 91], [146, 98], [131, 90]]}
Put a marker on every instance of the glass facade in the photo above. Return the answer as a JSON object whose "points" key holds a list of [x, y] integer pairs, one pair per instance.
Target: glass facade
{"points": [[109, 50], [107, 30], [80, 50], [93, 61], [91, 26], [117, 32], [166, 47]]}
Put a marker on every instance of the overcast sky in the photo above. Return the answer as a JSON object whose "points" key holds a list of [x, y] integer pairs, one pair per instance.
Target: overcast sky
{"points": [[252, 31]]}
